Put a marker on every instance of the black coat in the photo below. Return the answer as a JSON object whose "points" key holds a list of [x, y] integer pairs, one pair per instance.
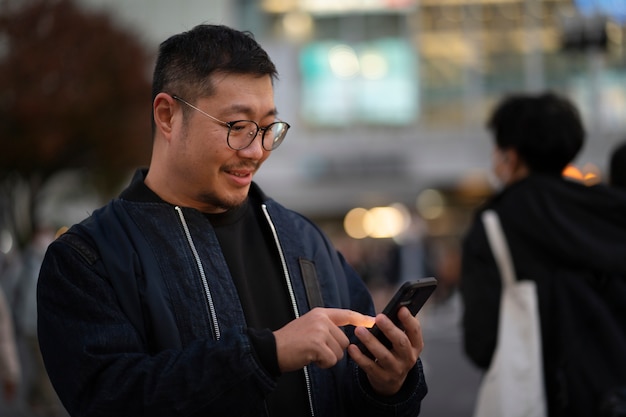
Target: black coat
{"points": [[571, 240]]}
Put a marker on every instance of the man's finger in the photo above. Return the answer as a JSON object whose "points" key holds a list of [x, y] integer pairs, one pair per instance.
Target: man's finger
{"points": [[343, 317]]}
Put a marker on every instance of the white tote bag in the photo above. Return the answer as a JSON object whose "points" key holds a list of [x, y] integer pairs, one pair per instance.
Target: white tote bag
{"points": [[513, 385]]}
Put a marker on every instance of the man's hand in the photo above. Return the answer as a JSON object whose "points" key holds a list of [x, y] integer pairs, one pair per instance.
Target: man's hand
{"points": [[316, 337], [388, 372]]}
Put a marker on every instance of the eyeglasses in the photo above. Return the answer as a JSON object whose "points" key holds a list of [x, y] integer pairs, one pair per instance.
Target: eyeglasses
{"points": [[241, 133]]}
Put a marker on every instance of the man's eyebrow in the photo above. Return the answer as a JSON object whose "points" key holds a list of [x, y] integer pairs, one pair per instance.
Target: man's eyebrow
{"points": [[242, 108]]}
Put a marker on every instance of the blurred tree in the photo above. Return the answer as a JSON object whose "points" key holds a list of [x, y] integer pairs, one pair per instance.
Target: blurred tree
{"points": [[74, 94]]}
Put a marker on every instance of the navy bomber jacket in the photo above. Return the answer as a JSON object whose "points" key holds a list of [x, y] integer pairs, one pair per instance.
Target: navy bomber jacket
{"points": [[138, 315]]}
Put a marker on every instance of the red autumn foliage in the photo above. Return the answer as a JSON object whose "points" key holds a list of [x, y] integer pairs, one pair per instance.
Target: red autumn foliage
{"points": [[74, 92]]}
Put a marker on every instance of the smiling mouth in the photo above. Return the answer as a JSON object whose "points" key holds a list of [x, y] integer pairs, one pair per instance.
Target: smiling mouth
{"points": [[241, 171], [240, 174]]}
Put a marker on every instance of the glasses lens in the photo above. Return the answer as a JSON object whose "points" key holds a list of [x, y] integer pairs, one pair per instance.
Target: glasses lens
{"points": [[274, 135], [242, 133]]}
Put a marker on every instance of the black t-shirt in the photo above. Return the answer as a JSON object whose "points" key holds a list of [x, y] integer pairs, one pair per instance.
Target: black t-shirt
{"points": [[254, 263]]}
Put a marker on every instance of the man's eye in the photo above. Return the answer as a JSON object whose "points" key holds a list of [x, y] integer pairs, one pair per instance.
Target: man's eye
{"points": [[243, 127]]}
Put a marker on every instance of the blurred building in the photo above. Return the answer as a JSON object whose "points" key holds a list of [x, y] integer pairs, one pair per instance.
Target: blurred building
{"points": [[387, 98]]}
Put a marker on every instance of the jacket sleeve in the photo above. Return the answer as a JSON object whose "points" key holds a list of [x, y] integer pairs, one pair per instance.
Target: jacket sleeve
{"points": [[99, 365], [406, 403], [480, 290]]}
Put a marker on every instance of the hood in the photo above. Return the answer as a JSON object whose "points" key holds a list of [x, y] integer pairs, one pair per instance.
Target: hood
{"points": [[573, 223]]}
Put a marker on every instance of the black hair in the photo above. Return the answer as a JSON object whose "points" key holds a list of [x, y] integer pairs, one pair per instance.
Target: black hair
{"points": [[617, 166], [187, 60], [545, 129]]}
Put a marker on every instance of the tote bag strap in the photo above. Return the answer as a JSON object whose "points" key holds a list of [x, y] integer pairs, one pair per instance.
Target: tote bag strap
{"points": [[499, 247]]}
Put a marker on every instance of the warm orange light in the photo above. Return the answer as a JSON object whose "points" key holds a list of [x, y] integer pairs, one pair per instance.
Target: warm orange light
{"points": [[572, 172], [588, 175], [377, 222]]}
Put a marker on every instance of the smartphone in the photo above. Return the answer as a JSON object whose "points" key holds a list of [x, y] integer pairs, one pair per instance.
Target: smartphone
{"points": [[413, 295]]}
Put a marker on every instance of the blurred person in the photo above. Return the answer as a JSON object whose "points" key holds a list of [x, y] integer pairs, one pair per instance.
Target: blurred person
{"points": [[10, 369], [569, 238], [41, 399], [195, 294], [617, 166]]}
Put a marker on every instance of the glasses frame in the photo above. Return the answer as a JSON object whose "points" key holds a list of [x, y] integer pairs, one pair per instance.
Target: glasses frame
{"points": [[229, 125]]}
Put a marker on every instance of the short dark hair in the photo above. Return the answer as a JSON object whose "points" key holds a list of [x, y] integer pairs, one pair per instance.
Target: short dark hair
{"points": [[545, 129], [617, 166], [187, 60]]}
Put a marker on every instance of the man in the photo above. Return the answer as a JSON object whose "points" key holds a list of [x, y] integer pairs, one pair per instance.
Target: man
{"points": [[567, 237], [194, 294]]}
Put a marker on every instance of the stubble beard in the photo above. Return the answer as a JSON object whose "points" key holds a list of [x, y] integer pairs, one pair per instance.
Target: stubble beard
{"points": [[221, 204]]}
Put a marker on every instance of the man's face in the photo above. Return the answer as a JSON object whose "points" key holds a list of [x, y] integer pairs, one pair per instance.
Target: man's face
{"points": [[213, 177], [500, 165], [508, 166]]}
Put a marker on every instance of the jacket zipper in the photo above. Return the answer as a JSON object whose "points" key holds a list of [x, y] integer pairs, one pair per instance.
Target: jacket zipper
{"points": [[294, 305], [205, 284]]}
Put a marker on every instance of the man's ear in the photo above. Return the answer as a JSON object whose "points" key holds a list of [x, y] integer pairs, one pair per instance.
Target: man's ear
{"points": [[163, 109], [508, 156], [518, 166], [512, 157]]}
